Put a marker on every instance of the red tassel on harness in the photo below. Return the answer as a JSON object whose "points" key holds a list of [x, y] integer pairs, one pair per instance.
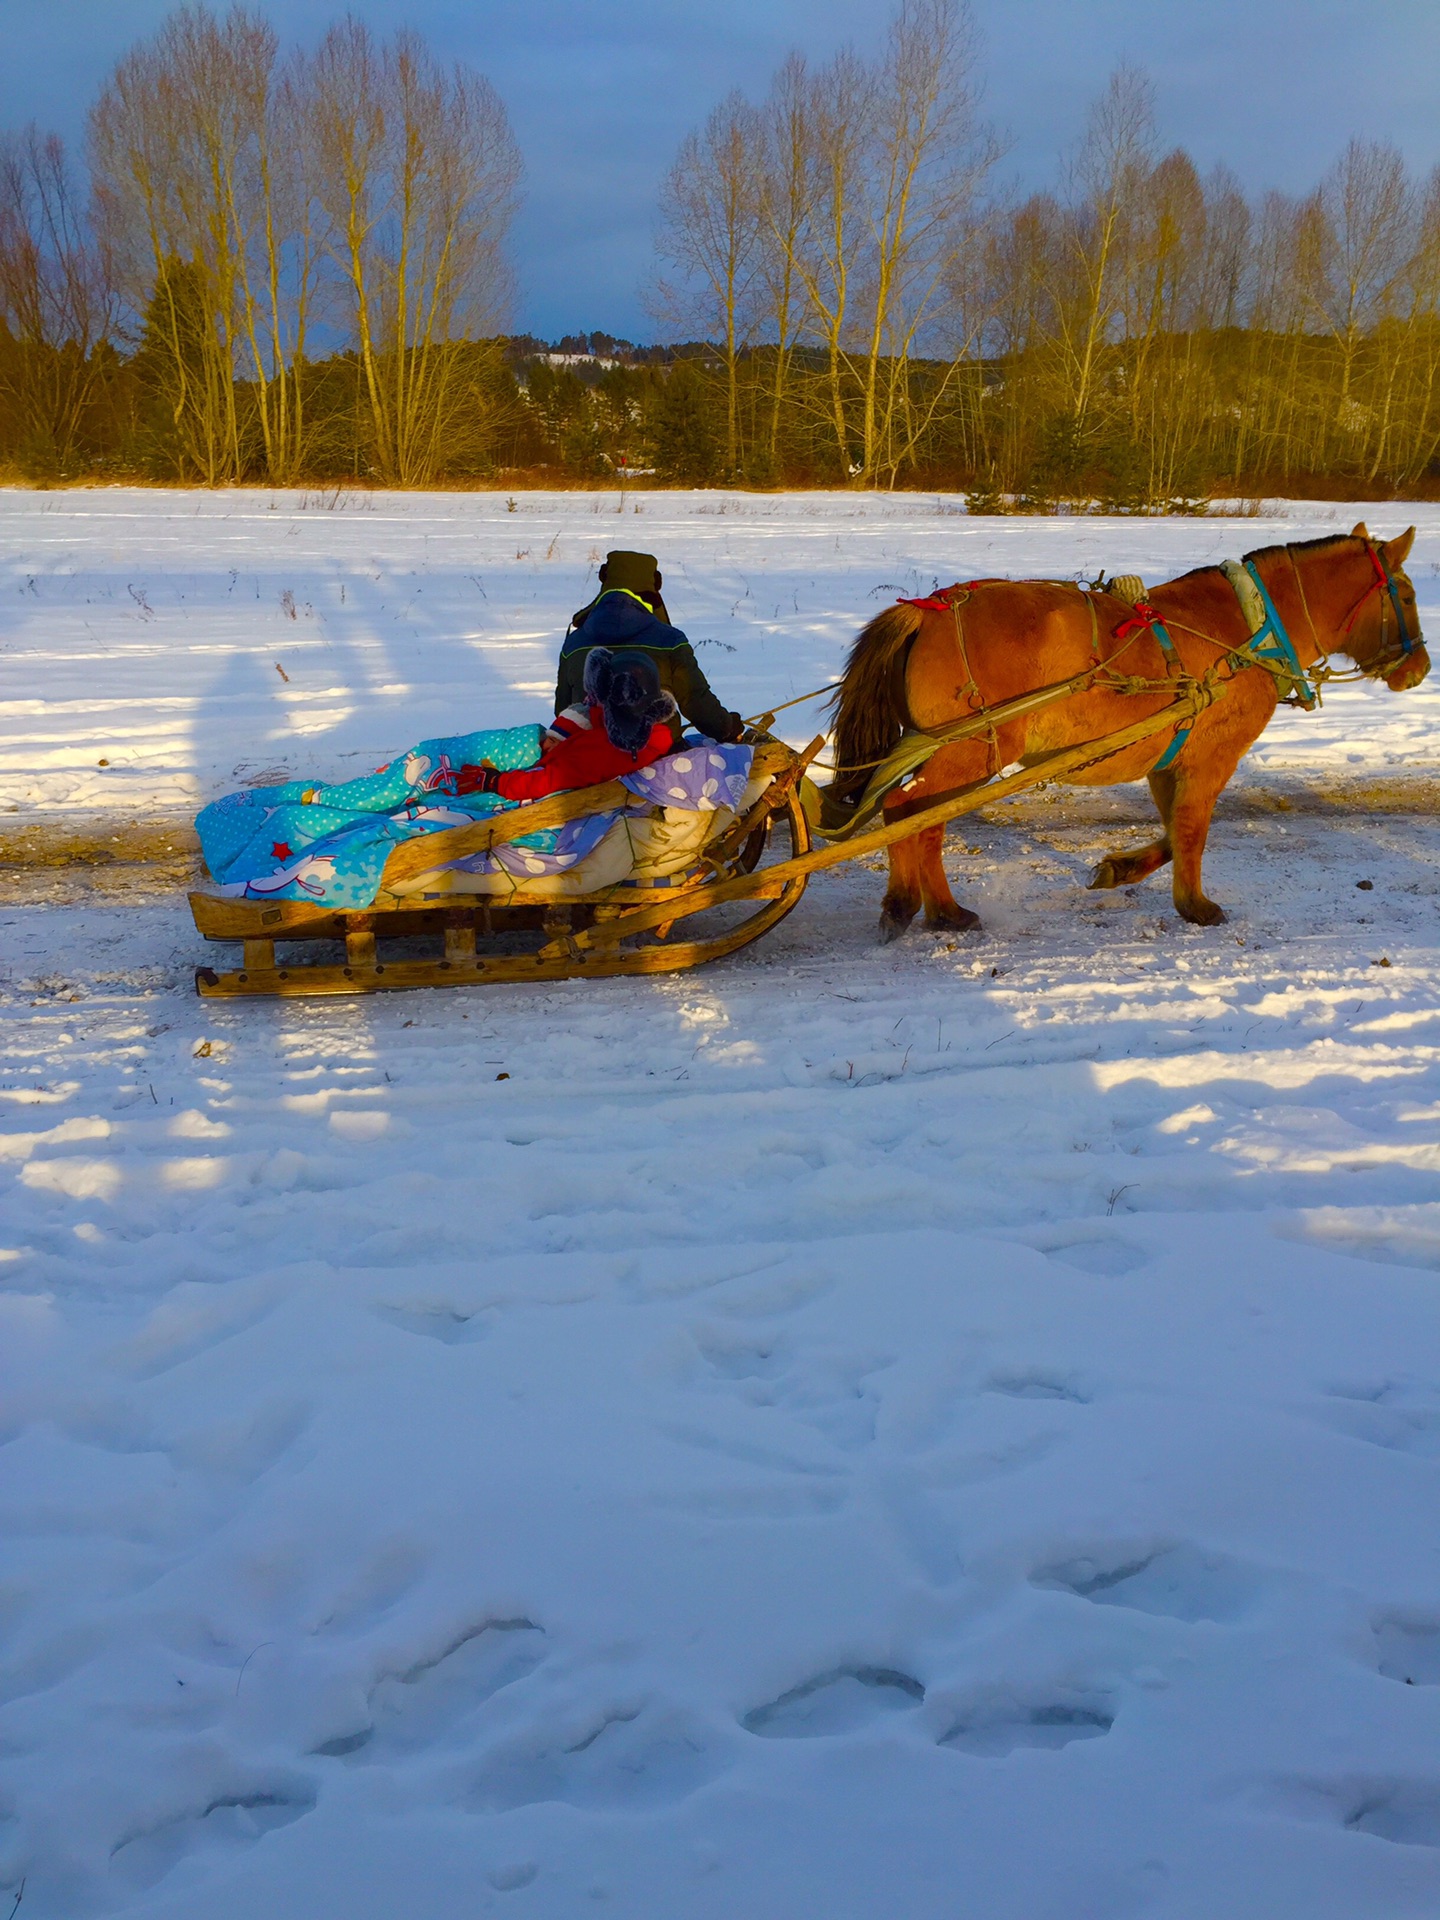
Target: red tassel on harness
{"points": [[1143, 616], [937, 602]]}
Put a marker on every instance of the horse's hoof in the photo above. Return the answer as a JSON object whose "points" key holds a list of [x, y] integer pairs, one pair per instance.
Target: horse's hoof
{"points": [[953, 920], [892, 925], [1104, 875], [1202, 913]]}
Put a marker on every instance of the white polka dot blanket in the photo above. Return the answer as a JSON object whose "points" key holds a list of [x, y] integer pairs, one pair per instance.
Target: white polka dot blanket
{"points": [[329, 844], [701, 778]]}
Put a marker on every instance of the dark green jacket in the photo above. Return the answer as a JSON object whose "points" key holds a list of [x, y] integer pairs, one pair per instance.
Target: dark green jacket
{"points": [[618, 619]]}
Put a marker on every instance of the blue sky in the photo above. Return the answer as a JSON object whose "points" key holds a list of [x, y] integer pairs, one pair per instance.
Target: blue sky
{"points": [[600, 93]]}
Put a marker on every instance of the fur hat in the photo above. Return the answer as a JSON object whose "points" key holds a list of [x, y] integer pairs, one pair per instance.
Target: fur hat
{"points": [[636, 572], [625, 685]]}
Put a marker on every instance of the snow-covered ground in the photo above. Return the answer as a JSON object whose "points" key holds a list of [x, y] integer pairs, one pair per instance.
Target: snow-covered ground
{"points": [[854, 1433]]}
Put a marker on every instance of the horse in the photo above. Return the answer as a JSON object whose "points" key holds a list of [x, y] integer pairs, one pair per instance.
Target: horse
{"points": [[974, 647]]}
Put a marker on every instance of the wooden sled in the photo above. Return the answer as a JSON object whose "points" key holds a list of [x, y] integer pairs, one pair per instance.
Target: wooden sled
{"points": [[480, 939]]}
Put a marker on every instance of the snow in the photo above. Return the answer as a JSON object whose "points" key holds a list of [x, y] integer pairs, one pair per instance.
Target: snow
{"points": [[949, 1428]]}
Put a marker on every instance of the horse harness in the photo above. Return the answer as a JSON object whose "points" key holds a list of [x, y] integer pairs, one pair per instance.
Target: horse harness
{"points": [[1269, 645]]}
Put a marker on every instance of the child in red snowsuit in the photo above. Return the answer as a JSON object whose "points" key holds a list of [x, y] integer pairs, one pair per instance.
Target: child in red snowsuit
{"points": [[624, 724]]}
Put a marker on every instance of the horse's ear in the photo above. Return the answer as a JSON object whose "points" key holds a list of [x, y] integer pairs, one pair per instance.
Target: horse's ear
{"points": [[1360, 531], [1397, 549]]}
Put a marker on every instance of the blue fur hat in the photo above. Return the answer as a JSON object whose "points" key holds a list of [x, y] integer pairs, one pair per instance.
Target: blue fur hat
{"points": [[625, 685]]}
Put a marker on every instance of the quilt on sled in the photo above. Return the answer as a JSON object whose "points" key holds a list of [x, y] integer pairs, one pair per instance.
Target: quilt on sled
{"points": [[328, 844]]}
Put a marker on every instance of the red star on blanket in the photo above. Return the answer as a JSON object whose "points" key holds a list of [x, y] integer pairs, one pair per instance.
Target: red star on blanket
{"points": [[280, 850]]}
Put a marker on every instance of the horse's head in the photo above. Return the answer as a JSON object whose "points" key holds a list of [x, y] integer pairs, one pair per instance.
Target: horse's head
{"points": [[1382, 631]]}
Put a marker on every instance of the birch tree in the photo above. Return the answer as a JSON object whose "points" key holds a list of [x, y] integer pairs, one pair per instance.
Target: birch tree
{"points": [[417, 174], [711, 219], [197, 166]]}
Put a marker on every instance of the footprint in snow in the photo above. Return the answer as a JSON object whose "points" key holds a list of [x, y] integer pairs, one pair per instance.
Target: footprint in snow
{"points": [[1396, 1416], [831, 1392], [733, 1357], [841, 1701], [993, 1725], [1175, 1582], [1408, 1649], [1106, 1255], [434, 1702], [225, 1823], [1090, 1249], [1404, 1812], [625, 1756], [439, 1322], [1036, 1386]]}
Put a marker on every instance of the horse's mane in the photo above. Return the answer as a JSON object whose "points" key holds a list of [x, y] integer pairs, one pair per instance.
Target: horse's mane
{"points": [[1262, 553], [1298, 546]]}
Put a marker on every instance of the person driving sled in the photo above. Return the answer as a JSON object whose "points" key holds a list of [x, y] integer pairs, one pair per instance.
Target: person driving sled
{"points": [[628, 613]]}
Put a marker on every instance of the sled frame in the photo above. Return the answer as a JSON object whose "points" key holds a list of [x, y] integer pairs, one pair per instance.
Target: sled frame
{"points": [[463, 923]]}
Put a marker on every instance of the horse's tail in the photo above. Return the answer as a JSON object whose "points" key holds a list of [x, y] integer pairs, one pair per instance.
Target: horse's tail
{"points": [[871, 711]]}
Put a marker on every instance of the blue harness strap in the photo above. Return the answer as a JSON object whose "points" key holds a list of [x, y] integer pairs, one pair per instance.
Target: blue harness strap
{"points": [[1146, 616], [1182, 734], [1271, 643], [1384, 576]]}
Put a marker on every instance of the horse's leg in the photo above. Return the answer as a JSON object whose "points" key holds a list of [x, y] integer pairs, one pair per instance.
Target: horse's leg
{"points": [[1125, 869], [902, 893], [1196, 790], [941, 909]]}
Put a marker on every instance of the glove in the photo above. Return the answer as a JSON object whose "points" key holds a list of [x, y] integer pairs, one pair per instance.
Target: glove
{"points": [[733, 731], [477, 780]]}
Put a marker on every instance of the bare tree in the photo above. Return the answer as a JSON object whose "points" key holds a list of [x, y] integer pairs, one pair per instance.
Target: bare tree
{"points": [[203, 185], [711, 219], [1111, 173], [57, 299], [785, 194], [930, 158], [417, 173]]}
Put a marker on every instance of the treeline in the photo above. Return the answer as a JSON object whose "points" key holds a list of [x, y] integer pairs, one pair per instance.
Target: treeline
{"points": [[293, 269], [1140, 336], [275, 267]]}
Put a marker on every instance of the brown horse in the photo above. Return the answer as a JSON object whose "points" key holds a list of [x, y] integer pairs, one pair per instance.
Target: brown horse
{"points": [[931, 665]]}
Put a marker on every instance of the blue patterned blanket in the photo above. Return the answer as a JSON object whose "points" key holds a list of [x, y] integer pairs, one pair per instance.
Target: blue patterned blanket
{"points": [[305, 840]]}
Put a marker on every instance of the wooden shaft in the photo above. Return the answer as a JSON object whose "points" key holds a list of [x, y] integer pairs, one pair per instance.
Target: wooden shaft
{"points": [[747, 885]]}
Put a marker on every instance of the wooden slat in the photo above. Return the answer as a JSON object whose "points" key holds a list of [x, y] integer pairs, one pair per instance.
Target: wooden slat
{"points": [[251, 919], [397, 975], [223, 919]]}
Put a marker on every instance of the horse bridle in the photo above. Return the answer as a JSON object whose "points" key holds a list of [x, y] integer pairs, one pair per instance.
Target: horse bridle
{"points": [[1383, 583]]}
